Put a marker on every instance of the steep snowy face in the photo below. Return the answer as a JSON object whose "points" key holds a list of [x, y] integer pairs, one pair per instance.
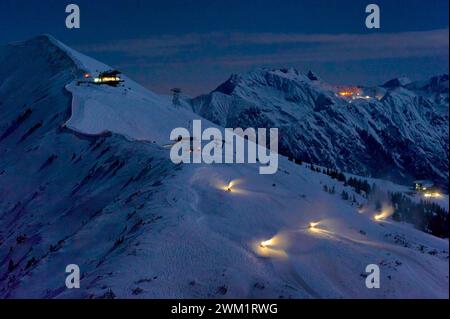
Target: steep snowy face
{"points": [[401, 134], [437, 84], [397, 82], [129, 109], [64, 197]]}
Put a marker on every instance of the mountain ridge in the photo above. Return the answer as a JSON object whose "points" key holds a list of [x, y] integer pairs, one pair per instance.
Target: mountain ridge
{"points": [[394, 122]]}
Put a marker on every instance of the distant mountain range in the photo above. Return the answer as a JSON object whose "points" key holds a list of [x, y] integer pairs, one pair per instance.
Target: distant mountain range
{"points": [[397, 131]]}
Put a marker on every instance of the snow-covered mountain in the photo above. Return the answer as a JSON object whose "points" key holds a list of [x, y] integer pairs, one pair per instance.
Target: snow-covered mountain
{"points": [[84, 180], [397, 131]]}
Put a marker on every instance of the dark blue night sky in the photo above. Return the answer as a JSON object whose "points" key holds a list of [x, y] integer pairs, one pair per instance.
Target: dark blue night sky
{"points": [[197, 44]]}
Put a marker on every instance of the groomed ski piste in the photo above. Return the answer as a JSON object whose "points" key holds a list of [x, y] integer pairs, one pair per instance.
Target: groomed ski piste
{"points": [[209, 231]]}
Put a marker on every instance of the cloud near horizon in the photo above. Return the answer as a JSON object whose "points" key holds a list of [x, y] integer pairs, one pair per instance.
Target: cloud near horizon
{"points": [[246, 49]]}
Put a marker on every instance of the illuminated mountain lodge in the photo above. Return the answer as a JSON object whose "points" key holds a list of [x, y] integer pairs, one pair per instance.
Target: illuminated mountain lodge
{"points": [[109, 78]]}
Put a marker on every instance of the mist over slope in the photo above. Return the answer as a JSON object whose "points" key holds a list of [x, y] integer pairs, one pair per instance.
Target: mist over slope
{"points": [[84, 180], [399, 133]]}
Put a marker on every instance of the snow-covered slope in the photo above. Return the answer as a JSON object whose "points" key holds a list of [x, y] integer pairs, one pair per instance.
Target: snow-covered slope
{"points": [[77, 187], [400, 135], [100, 109]]}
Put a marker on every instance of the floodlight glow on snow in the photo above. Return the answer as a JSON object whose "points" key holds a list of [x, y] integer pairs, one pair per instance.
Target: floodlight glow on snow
{"points": [[229, 187], [273, 247], [319, 231], [313, 225], [378, 217], [383, 215], [266, 243], [386, 211]]}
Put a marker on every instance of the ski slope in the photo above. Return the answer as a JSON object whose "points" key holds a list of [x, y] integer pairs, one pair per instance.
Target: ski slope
{"points": [[140, 226], [129, 110]]}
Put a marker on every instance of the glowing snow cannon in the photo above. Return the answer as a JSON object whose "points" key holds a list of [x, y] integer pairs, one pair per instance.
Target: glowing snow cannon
{"points": [[273, 247], [313, 226], [378, 217], [231, 187], [386, 212], [266, 243]]}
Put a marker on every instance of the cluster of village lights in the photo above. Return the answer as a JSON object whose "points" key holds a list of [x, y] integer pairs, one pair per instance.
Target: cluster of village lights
{"points": [[354, 93], [432, 195]]}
